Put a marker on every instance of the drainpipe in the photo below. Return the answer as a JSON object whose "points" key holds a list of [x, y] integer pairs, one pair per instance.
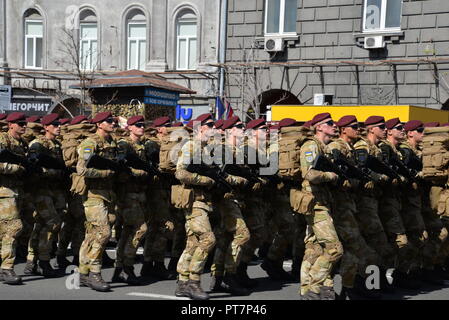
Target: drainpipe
{"points": [[223, 35]]}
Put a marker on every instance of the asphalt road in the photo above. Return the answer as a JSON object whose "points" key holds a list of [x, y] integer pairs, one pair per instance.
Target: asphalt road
{"points": [[38, 288]]}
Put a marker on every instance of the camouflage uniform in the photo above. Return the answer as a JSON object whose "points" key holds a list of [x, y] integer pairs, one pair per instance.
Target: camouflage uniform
{"points": [[99, 202], [357, 255], [49, 200], [132, 205], [390, 207], [367, 201], [323, 248], [200, 238], [11, 192]]}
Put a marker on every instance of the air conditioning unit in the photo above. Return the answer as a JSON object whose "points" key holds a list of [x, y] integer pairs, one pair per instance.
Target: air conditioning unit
{"points": [[374, 42], [274, 44]]}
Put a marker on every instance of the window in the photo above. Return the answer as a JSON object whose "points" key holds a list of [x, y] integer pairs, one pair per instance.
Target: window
{"points": [[34, 32], [137, 42], [382, 15], [88, 46], [280, 16], [186, 42]]}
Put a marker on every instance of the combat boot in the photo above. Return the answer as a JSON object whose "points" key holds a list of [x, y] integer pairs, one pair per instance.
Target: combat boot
{"points": [[160, 272], [296, 269], [231, 285], [327, 293], [310, 295], [31, 269], [195, 291], [131, 276], [284, 275], [8, 276], [385, 286], [62, 262], [404, 281], [215, 284], [147, 269], [172, 267], [431, 277], [76, 261], [270, 268], [243, 279], [361, 290], [46, 270], [119, 276], [182, 289], [441, 272], [84, 280], [97, 283]]}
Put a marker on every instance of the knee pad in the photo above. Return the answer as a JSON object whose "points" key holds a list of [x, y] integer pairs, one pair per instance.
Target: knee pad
{"points": [[334, 251]]}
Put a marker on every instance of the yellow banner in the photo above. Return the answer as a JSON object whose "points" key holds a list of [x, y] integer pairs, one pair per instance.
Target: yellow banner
{"points": [[404, 113]]}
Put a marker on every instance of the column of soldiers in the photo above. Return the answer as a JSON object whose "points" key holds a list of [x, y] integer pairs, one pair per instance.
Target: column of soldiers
{"points": [[80, 181]]}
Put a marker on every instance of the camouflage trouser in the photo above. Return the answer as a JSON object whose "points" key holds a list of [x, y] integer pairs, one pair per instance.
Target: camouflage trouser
{"points": [[357, 254], [232, 237], [134, 228], [390, 207], [372, 229], [10, 228], [158, 232], [323, 251], [72, 229], [49, 212], [415, 227], [299, 235], [100, 217], [200, 241], [28, 212], [179, 232], [438, 225], [284, 223], [254, 213]]}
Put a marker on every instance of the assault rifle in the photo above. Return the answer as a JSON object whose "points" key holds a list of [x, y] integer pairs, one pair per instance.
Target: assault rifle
{"points": [[46, 161], [323, 163], [131, 160], [370, 163], [348, 168], [102, 163], [216, 173], [7, 156]]}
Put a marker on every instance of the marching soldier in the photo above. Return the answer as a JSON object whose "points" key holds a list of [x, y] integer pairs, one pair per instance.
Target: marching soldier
{"points": [[99, 201], [323, 247], [11, 193], [49, 199]]}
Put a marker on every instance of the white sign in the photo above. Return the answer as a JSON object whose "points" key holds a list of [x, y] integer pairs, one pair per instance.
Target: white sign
{"points": [[5, 98]]}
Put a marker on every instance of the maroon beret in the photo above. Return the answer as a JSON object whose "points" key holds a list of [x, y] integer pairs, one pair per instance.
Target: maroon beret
{"points": [[228, 124], [49, 118], [16, 117], [346, 121], [320, 118], [3, 116], [287, 122], [78, 120], [431, 125], [177, 124], [133, 120], [204, 117], [64, 121], [413, 125], [256, 123], [390, 124], [307, 124], [275, 127], [373, 120], [445, 124], [33, 119], [219, 123], [102, 116], [162, 121]]}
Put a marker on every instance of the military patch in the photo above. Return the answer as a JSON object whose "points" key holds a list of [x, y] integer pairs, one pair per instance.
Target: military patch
{"points": [[86, 153], [309, 157]]}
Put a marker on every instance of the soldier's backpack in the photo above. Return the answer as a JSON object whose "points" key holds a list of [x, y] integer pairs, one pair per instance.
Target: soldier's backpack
{"points": [[291, 140], [75, 134], [436, 154], [170, 144]]}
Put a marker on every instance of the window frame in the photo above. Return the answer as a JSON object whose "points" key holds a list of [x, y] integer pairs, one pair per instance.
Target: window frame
{"points": [[179, 21], [383, 18], [129, 23], [281, 21], [26, 37], [90, 45]]}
